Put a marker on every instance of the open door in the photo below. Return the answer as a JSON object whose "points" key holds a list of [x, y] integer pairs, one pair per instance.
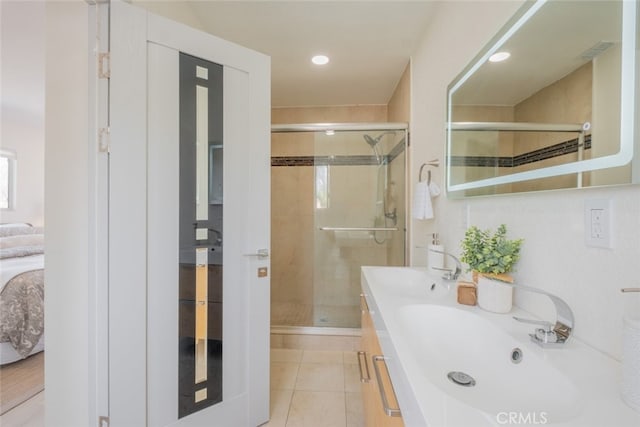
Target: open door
{"points": [[189, 223]]}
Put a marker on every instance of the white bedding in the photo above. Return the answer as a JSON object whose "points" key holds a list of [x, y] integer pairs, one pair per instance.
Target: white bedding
{"points": [[9, 355], [11, 267], [21, 295]]}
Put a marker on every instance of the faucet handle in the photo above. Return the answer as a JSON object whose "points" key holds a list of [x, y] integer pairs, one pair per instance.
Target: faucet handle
{"points": [[449, 274], [549, 334]]}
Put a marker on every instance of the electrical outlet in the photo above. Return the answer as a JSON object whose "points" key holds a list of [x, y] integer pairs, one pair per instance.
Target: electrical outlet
{"points": [[597, 223]]}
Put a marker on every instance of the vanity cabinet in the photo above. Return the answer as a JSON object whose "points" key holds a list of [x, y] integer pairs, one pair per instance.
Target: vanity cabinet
{"points": [[380, 404]]}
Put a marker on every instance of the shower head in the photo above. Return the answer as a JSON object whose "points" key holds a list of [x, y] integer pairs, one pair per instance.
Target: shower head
{"points": [[374, 141]]}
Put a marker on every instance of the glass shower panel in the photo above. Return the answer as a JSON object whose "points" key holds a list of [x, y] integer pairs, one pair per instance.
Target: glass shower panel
{"points": [[337, 203], [363, 221]]}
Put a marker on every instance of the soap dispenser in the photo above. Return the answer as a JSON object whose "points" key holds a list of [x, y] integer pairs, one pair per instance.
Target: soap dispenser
{"points": [[435, 260]]}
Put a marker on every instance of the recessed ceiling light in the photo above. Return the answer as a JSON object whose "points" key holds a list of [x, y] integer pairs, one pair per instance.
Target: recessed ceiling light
{"points": [[499, 56], [320, 59]]}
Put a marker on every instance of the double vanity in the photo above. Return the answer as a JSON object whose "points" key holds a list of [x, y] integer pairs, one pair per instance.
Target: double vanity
{"points": [[442, 364]]}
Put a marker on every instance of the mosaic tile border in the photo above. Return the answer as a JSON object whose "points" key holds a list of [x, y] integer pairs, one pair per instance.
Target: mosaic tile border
{"points": [[364, 160], [560, 149]]}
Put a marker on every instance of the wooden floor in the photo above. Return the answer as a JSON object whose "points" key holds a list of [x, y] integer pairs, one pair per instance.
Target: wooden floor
{"points": [[20, 381], [28, 414]]}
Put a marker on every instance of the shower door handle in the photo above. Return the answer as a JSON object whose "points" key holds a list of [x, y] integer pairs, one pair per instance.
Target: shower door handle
{"points": [[260, 253]]}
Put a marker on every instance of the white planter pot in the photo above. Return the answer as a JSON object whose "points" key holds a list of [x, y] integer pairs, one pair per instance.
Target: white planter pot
{"points": [[494, 295]]}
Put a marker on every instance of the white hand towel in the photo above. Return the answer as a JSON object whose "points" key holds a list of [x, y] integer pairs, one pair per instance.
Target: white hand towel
{"points": [[422, 208], [434, 189]]}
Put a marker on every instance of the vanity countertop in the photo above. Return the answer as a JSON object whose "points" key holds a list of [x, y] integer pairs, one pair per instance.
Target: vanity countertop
{"points": [[591, 378]]}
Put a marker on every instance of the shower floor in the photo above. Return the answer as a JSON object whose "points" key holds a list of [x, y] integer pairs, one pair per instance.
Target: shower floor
{"points": [[295, 314]]}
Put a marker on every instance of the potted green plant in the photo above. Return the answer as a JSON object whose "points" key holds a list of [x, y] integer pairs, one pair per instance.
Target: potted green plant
{"points": [[491, 256]]}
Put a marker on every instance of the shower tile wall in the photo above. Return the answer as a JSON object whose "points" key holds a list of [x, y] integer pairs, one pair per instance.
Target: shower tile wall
{"points": [[292, 219]]}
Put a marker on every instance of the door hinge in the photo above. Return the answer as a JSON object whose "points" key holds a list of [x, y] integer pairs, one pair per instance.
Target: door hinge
{"points": [[103, 421], [104, 65], [104, 140]]}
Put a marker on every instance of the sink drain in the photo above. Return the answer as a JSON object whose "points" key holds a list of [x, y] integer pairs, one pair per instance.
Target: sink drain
{"points": [[461, 378], [516, 355]]}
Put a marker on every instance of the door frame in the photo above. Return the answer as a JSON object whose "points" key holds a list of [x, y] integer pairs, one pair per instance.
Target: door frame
{"points": [[132, 27]]}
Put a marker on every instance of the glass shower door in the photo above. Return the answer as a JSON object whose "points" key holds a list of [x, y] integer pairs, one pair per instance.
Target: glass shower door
{"points": [[359, 217]]}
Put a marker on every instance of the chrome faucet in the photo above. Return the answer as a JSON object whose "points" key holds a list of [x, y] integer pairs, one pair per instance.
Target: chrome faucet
{"points": [[218, 235], [551, 335], [449, 274]]}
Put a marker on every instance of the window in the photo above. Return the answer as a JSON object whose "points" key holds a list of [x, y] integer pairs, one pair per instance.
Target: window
{"points": [[322, 187], [7, 179]]}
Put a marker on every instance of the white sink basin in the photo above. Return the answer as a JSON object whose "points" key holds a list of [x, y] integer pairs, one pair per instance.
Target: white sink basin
{"points": [[408, 283], [425, 334], [447, 339]]}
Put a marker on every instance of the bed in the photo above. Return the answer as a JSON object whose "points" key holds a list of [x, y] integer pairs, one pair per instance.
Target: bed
{"points": [[21, 292]]}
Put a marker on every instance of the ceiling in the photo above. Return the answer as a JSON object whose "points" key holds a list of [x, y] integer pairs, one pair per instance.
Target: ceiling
{"points": [[369, 44], [548, 47]]}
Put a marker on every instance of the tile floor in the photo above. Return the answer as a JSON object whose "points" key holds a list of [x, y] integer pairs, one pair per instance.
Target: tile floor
{"points": [[308, 388], [315, 389]]}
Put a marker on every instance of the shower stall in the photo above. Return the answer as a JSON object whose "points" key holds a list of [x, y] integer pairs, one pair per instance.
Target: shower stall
{"points": [[338, 203]]}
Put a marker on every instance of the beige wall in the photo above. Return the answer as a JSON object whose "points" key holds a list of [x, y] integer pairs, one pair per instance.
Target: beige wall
{"points": [[330, 114], [399, 106]]}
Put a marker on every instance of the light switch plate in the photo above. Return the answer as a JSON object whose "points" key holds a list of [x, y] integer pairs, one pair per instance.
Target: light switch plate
{"points": [[597, 223]]}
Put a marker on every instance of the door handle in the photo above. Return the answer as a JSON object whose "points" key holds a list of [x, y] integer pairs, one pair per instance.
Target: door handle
{"points": [[363, 355], [260, 253], [391, 412]]}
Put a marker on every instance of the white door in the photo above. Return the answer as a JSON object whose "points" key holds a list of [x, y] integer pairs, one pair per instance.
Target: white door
{"points": [[188, 299]]}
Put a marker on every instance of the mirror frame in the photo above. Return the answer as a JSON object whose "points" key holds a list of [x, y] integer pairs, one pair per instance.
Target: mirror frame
{"points": [[627, 112]]}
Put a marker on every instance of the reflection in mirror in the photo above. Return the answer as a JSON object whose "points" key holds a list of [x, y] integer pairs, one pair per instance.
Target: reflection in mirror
{"points": [[215, 174], [201, 224], [555, 111]]}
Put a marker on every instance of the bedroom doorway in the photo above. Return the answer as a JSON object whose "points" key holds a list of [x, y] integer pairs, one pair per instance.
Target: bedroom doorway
{"points": [[22, 184]]}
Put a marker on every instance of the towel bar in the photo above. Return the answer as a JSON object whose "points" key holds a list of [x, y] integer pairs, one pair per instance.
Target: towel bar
{"points": [[435, 163]]}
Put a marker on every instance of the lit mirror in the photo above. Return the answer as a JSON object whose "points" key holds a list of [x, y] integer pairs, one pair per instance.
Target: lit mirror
{"points": [[548, 103]]}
